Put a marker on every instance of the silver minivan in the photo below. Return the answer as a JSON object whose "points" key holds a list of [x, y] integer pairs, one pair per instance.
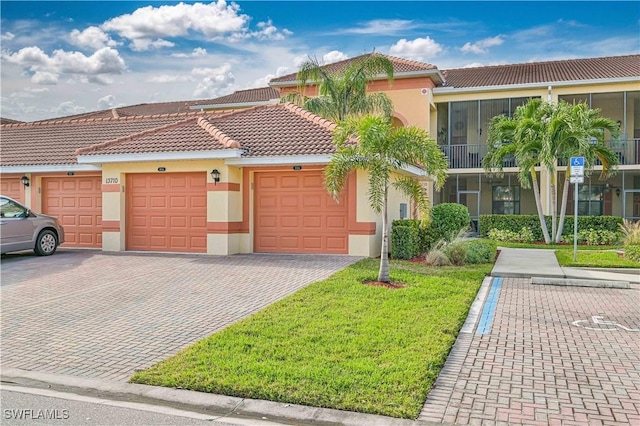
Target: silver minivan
{"points": [[22, 229]]}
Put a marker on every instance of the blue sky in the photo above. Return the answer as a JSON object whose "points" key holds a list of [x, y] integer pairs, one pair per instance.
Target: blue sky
{"points": [[61, 58]]}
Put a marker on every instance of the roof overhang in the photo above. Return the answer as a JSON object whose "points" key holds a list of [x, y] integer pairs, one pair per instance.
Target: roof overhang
{"points": [[50, 168], [233, 105], [160, 156], [433, 74], [282, 160], [569, 83]]}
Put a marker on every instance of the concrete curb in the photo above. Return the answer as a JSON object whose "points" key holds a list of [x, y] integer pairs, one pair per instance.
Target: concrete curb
{"points": [[211, 404], [579, 283]]}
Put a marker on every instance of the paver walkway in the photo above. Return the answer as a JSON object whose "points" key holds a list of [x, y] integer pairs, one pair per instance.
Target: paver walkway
{"points": [[90, 314], [551, 355]]}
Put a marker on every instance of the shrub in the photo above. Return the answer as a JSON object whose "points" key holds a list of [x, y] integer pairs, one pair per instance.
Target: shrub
{"points": [[515, 223], [631, 232], [632, 252], [457, 253], [405, 239], [481, 251], [437, 258], [593, 237], [525, 235], [447, 219]]}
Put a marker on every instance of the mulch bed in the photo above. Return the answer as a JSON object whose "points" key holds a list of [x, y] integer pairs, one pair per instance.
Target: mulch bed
{"points": [[391, 285]]}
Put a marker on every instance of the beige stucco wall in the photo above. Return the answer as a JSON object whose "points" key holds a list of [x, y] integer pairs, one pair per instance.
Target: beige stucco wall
{"points": [[411, 106]]}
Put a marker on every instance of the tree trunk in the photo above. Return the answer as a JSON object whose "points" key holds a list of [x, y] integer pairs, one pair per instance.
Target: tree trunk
{"points": [[536, 194], [563, 207], [383, 274], [554, 202]]}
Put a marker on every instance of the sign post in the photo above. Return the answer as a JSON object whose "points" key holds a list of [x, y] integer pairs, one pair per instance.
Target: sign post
{"points": [[577, 176]]}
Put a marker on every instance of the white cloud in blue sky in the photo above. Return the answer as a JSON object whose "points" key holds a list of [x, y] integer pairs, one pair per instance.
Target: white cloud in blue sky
{"points": [[64, 57]]}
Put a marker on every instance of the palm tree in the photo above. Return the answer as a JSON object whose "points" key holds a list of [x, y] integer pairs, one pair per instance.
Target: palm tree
{"points": [[543, 133], [583, 136], [343, 91], [519, 137], [372, 144]]}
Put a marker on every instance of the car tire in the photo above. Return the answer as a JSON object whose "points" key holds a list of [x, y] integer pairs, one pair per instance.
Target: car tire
{"points": [[46, 243]]}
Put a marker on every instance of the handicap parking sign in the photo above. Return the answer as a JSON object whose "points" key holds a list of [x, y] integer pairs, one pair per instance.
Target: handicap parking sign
{"points": [[577, 161], [577, 166]]}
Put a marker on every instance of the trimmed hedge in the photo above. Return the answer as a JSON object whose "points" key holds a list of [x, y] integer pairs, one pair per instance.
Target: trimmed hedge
{"points": [[515, 223], [447, 219], [406, 239]]}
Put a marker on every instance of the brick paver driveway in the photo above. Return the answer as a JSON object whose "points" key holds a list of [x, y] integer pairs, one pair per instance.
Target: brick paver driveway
{"points": [[91, 314], [551, 355]]}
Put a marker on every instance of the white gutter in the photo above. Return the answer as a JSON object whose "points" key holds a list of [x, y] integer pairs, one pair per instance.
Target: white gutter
{"points": [[160, 156], [234, 105], [50, 168], [555, 84], [280, 160]]}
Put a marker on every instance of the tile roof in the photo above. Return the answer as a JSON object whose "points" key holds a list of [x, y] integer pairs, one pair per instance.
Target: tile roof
{"points": [[54, 142], [545, 72], [270, 130], [248, 96], [400, 65], [4, 120]]}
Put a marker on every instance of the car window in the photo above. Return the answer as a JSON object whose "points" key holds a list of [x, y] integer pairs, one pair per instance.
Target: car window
{"points": [[9, 209]]}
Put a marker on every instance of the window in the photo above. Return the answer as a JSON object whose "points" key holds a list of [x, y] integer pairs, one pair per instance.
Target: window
{"points": [[591, 200], [506, 199], [10, 209]]}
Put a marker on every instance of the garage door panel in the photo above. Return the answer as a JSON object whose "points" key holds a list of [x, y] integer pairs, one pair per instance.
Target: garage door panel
{"points": [[174, 209], [12, 188], [77, 203], [295, 214]]}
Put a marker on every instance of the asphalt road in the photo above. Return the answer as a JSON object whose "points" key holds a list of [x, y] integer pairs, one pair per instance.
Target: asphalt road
{"points": [[33, 406]]}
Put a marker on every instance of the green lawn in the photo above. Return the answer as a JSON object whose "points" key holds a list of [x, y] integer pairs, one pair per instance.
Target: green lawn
{"points": [[558, 246], [337, 343], [594, 259]]}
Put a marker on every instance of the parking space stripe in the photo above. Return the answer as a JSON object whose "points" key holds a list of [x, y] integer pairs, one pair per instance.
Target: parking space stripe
{"points": [[486, 319]]}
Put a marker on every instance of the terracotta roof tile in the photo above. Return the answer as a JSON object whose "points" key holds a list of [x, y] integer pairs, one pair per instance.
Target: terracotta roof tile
{"points": [[55, 142], [249, 96], [4, 120], [270, 130], [400, 65], [545, 72]]}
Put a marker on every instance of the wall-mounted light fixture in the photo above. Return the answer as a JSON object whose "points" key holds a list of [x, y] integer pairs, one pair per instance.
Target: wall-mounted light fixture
{"points": [[215, 174], [24, 180], [618, 191]]}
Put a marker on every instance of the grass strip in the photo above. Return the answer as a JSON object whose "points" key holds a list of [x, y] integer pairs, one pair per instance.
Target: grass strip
{"points": [[594, 259], [337, 343]]}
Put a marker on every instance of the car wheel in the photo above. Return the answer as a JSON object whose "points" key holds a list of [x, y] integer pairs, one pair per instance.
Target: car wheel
{"points": [[46, 243]]}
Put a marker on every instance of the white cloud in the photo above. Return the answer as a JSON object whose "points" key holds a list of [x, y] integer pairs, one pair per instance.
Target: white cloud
{"points": [[142, 44], [69, 108], [7, 36], [170, 78], [47, 69], [382, 27], [267, 31], [215, 81], [482, 46], [334, 56], [105, 102], [195, 53], [212, 20], [419, 49], [43, 77], [91, 37]]}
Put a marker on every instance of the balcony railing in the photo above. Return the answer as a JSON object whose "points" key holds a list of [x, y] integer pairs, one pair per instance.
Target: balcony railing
{"points": [[469, 156]]}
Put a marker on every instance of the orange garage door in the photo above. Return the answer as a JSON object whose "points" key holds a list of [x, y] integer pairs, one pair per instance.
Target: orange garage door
{"points": [[12, 188], [295, 214], [167, 212], [77, 203]]}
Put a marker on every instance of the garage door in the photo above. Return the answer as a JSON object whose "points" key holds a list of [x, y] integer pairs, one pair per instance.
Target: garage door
{"points": [[77, 203], [167, 212], [12, 188], [295, 214]]}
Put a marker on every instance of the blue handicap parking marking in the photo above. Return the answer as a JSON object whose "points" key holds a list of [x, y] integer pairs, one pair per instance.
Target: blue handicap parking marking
{"points": [[577, 161], [486, 318]]}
